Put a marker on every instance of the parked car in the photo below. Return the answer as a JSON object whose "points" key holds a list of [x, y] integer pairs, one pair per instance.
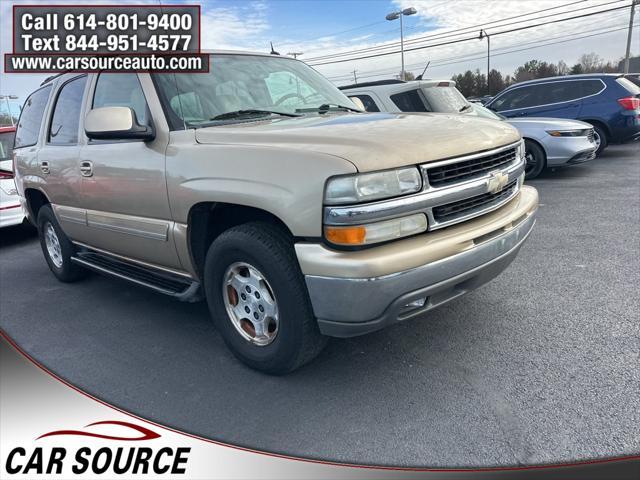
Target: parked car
{"points": [[609, 102], [481, 100], [11, 212], [260, 186], [549, 142]]}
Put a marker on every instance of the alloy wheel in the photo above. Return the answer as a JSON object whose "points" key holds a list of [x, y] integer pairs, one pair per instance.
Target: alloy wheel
{"points": [[250, 303]]}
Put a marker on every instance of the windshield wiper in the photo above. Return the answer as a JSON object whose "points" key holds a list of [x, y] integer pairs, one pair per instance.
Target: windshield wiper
{"points": [[325, 107], [467, 106], [242, 113]]}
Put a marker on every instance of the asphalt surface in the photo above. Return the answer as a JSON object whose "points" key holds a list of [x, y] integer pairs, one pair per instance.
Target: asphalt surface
{"points": [[541, 365]]}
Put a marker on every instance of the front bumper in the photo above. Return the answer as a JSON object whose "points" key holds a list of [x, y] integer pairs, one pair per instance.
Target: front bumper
{"points": [[563, 151], [466, 256]]}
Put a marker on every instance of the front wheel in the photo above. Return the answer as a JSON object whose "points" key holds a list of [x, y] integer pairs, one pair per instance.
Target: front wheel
{"points": [[600, 139], [535, 158], [258, 299]]}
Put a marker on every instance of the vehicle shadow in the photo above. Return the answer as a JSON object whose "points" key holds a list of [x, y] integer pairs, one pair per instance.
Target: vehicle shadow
{"points": [[10, 236]]}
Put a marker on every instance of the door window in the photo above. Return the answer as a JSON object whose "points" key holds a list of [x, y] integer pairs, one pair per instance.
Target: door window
{"points": [[410, 101], [522, 97], [31, 118], [558, 92], [368, 102], [121, 90], [66, 115]]}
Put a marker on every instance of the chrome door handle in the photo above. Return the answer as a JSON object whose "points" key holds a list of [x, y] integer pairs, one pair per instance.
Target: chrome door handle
{"points": [[44, 166], [86, 168]]}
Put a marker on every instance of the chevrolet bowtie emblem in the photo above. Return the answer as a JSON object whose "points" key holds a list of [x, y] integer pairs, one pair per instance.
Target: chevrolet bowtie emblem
{"points": [[497, 181]]}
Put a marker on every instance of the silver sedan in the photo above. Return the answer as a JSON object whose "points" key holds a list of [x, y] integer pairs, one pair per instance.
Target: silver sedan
{"points": [[549, 142]]}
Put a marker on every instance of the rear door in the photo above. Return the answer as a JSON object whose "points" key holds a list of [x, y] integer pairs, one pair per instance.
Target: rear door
{"points": [[123, 183], [58, 157], [561, 99]]}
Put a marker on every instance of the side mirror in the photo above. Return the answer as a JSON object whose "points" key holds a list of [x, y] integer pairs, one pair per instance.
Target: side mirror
{"points": [[116, 123], [358, 103]]}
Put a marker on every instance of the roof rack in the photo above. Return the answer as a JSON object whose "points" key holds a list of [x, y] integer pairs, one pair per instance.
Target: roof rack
{"points": [[372, 84]]}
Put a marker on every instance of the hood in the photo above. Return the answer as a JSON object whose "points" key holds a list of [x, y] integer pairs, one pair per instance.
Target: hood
{"points": [[371, 141], [549, 123]]}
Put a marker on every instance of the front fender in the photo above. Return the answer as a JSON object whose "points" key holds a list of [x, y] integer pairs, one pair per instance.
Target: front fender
{"points": [[287, 183]]}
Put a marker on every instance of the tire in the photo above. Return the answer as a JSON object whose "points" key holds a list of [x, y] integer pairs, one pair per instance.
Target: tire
{"points": [[600, 136], [247, 253], [536, 159], [60, 264]]}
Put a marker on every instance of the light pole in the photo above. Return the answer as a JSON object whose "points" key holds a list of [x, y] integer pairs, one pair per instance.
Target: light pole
{"points": [[394, 16], [295, 54], [630, 34], [6, 99], [484, 34]]}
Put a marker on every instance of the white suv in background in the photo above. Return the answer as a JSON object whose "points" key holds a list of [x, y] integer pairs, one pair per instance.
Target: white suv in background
{"points": [[11, 212], [549, 142]]}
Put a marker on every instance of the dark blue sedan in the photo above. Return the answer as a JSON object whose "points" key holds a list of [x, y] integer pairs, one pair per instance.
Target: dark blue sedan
{"points": [[609, 102]]}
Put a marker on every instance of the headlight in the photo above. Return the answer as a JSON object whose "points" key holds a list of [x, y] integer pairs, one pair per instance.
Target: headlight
{"points": [[366, 187], [569, 133], [376, 232]]}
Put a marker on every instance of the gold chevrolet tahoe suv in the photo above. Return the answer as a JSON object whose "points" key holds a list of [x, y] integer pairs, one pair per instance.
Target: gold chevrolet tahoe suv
{"points": [[262, 188]]}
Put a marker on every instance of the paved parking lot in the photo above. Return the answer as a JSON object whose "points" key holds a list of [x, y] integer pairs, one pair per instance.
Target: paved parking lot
{"points": [[541, 365]]}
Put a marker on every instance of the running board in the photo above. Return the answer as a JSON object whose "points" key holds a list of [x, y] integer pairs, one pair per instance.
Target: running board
{"points": [[181, 288]]}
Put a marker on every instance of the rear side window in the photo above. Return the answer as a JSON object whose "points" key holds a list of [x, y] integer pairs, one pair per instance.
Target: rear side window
{"points": [[121, 90], [368, 102], [410, 101], [590, 87], [31, 118], [66, 114]]}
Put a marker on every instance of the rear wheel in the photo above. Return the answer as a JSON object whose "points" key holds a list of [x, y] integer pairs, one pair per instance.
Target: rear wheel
{"points": [[535, 158], [258, 299], [57, 248]]}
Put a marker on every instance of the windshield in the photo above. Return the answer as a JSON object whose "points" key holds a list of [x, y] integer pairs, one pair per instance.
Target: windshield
{"points": [[445, 99], [244, 82], [484, 112], [6, 145]]}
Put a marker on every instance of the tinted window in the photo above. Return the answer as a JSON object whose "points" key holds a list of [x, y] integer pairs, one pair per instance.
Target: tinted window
{"points": [[6, 145], [409, 101], [557, 92], [66, 114], [31, 118], [368, 102], [121, 90], [517, 98]]}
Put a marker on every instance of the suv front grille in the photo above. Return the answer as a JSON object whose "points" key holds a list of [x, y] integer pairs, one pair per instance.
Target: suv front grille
{"points": [[452, 173], [450, 211]]}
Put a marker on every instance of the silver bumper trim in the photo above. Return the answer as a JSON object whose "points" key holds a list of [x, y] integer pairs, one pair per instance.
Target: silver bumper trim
{"points": [[354, 306]]}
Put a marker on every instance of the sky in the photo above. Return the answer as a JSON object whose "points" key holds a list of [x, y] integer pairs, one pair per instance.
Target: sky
{"points": [[324, 27]]}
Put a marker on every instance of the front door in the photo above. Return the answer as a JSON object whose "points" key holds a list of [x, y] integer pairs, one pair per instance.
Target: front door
{"points": [[123, 183]]}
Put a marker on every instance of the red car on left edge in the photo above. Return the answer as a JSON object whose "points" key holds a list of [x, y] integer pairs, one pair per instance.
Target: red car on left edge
{"points": [[11, 212]]}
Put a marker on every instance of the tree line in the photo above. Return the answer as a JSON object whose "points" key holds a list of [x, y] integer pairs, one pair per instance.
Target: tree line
{"points": [[472, 83]]}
